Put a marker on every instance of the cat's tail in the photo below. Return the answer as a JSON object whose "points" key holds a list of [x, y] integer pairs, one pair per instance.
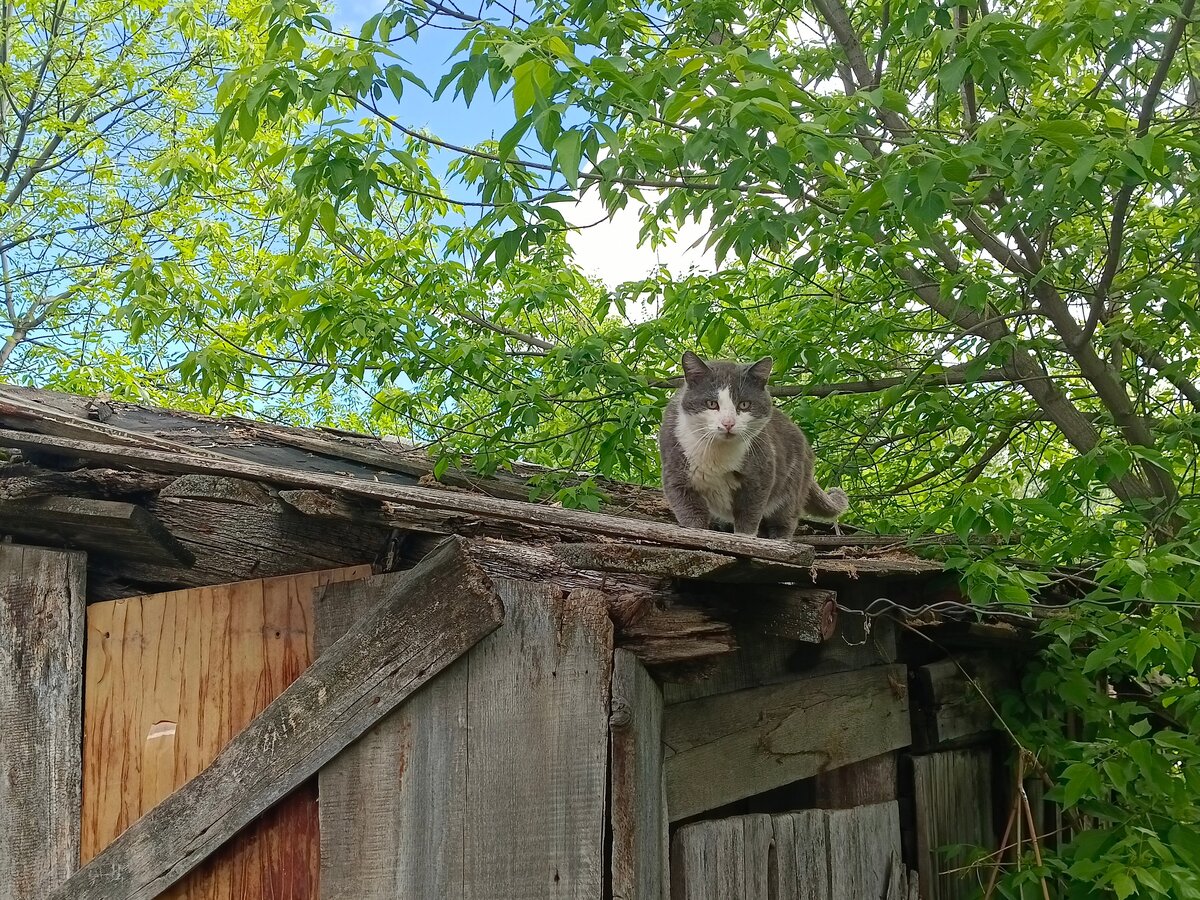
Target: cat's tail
{"points": [[825, 505]]}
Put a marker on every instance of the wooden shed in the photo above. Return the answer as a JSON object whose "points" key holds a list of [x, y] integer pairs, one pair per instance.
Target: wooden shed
{"points": [[239, 660]]}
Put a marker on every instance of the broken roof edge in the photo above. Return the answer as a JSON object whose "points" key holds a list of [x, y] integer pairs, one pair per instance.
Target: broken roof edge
{"points": [[340, 463]]}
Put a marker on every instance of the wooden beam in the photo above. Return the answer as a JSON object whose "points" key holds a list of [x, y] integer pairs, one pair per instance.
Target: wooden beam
{"points": [[785, 611], [549, 519], [674, 562], [41, 680], [94, 525], [638, 811], [429, 617], [423, 806], [858, 784], [672, 634], [955, 699], [218, 488], [733, 746]]}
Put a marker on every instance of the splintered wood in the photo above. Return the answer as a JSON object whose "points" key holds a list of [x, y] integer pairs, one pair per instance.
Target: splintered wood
{"points": [[170, 679], [848, 854]]}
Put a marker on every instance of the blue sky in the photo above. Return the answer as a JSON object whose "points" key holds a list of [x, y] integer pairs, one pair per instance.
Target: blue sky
{"points": [[610, 251]]}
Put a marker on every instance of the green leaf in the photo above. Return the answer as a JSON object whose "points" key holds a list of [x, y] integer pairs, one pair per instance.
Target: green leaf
{"points": [[567, 151]]}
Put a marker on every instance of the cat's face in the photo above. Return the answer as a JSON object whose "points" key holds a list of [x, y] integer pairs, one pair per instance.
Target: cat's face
{"points": [[725, 401]]}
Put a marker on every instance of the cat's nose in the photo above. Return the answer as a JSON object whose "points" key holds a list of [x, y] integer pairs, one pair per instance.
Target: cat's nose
{"points": [[728, 424]]}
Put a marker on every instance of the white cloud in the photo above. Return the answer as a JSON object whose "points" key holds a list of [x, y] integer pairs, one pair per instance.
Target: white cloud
{"points": [[613, 252]]}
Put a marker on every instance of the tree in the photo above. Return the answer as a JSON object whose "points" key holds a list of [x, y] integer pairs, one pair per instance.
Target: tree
{"points": [[105, 161], [969, 229]]}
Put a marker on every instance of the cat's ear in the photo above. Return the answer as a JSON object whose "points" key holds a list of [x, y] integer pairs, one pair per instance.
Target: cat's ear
{"points": [[694, 368], [761, 370]]}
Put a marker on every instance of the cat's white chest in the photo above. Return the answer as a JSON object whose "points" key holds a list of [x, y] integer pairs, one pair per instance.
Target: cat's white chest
{"points": [[713, 471]]}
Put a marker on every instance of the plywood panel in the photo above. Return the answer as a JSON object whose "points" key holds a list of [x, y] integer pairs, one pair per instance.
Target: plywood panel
{"points": [[170, 678]]}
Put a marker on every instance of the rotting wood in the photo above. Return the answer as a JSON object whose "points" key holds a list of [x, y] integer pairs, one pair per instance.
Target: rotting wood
{"points": [[432, 615], [731, 746], [41, 681], [21, 481], [170, 679], [858, 784], [953, 807], [400, 816], [94, 525], [956, 699], [325, 505], [549, 517], [671, 634], [637, 809], [217, 488]]}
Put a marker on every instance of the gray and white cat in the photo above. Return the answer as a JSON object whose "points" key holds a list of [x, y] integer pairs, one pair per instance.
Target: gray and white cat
{"points": [[730, 457]]}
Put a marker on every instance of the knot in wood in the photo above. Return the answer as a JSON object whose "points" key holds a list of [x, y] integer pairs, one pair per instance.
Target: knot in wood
{"points": [[621, 715]]}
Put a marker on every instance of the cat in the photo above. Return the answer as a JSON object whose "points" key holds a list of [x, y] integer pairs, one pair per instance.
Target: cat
{"points": [[731, 457]]}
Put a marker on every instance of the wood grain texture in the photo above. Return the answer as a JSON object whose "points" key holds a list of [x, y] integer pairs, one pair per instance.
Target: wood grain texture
{"points": [[858, 784], [41, 676], [492, 781], [553, 520], [731, 746], [429, 617], [956, 699], [673, 562], [171, 678], [850, 854], [94, 525], [637, 808], [953, 806]]}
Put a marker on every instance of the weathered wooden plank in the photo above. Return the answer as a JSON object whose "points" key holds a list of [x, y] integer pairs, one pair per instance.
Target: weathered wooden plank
{"points": [[639, 816], [846, 854], [863, 842], [170, 679], [727, 747], [674, 562], [430, 616], [672, 634], [423, 806], [956, 698], [392, 810], [219, 488], [550, 518], [858, 784], [41, 679], [764, 659], [785, 611], [100, 525], [953, 807]]}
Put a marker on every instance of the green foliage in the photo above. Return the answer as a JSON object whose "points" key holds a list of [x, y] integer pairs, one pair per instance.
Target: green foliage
{"points": [[968, 235]]}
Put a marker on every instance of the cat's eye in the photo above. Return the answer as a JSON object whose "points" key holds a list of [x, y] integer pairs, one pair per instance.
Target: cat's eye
{"points": [[743, 406], [712, 404]]}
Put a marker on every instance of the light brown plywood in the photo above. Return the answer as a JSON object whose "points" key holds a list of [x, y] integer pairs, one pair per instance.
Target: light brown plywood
{"points": [[170, 679]]}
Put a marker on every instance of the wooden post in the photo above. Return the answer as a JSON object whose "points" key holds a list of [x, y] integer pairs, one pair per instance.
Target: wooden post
{"points": [[429, 617], [953, 804], [492, 782], [41, 715], [639, 813]]}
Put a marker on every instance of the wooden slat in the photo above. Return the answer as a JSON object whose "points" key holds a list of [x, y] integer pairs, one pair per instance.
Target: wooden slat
{"points": [[672, 634], [858, 784], [638, 810], [491, 784], [850, 854], [957, 698], [392, 806], [673, 562], [430, 616], [170, 679], [953, 806], [732, 746], [41, 676], [549, 518], [106, 526]]}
